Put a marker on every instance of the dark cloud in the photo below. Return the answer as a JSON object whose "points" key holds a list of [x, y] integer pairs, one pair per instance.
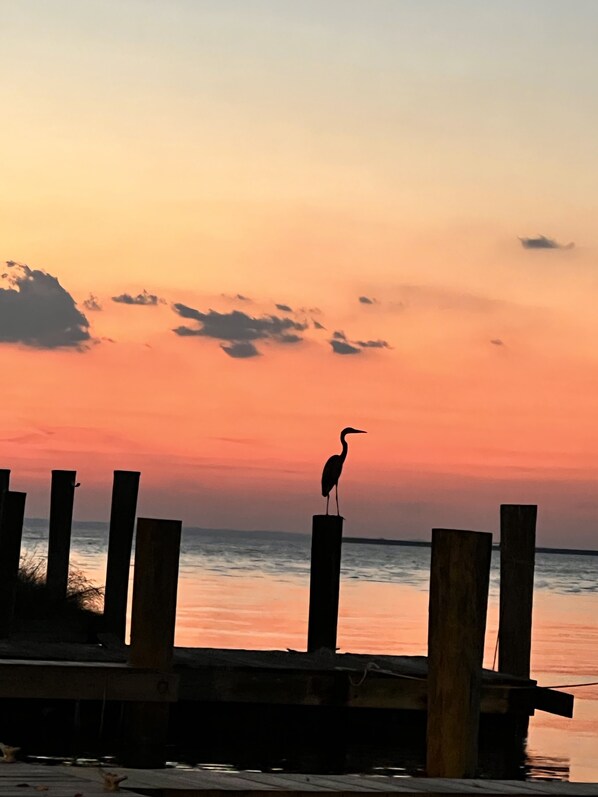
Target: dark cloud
{"points": [[372, 344], [237, 327], [37, 311], [285, 308], [242, 298], [92, 303], [367, 300], [542, 242], [144, 299], [497, 342], [317, 324], [342, 347], [240, 350]]}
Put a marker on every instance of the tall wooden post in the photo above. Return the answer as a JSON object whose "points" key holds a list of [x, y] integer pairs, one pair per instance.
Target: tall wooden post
{"points": [[11, 529], [59, 541], [153, 621], [517, 559], [4, 484], [125, 489], [459, 580], [4, 479], [324, 585]]}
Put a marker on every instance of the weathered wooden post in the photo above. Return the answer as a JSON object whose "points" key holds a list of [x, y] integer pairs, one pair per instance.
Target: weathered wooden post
{"points": [[517, 559], [459, 580], [125, 489], [4, 484], [153, 621], [59, 540], [11, 529], [4, 479], [324, 584]]}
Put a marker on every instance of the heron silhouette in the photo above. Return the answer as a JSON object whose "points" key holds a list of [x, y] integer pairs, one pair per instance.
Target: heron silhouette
{"points": [[334, 467]]}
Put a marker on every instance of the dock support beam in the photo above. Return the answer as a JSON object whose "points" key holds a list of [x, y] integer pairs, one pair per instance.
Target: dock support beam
{"points": [[517, 559], [11, 529], [459, 580], [324, 585], [152, 635], [125, 489], [62, 498]]}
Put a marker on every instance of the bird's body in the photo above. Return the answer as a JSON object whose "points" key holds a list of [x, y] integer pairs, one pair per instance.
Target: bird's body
{"points": [[334, 467]]}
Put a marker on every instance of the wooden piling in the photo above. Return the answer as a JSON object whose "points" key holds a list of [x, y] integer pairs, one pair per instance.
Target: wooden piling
{"points": [[153, 620], [125, 489], [11, 530], [59, 540], [324, 585], [517, 559], [459, 580], [4, 479], [4, 484]]}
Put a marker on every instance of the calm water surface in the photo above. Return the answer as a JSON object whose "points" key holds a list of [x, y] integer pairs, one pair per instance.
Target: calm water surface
{"points": [[251, 590]]}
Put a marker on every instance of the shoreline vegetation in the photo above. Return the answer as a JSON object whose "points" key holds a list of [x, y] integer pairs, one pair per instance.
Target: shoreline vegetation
{"points": [[75, 616]]}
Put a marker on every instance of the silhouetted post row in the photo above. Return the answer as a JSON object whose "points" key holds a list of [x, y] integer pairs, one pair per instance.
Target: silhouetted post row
{"points": [[459, 581], [324, 585], [62, 498], [125, 490], [153, 620], [517, 561], [11, 530]]}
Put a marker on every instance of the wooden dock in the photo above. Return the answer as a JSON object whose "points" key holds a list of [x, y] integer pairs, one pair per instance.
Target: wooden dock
{"points": [[273, 677], [27, 780], [158, 691]]}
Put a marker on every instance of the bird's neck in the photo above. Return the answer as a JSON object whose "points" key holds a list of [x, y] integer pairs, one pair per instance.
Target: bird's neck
{"points": [[345, 448]]}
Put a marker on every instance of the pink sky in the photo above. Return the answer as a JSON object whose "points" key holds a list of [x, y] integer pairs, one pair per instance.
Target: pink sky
{"points": [[304, 157]]}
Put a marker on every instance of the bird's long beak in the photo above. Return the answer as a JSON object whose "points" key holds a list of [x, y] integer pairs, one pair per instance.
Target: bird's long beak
{"points": [[359, 431]]}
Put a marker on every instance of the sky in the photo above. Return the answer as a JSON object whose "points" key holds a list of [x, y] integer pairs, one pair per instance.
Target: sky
{"points": [[232, 229]]}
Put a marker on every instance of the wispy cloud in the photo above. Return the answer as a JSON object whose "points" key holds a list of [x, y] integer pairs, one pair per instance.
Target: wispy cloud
{"points": [[497, 342], [144, 299], [37, 311], [92, 303], [542, 242], [367, 300], [373, 344], [284, 308]]}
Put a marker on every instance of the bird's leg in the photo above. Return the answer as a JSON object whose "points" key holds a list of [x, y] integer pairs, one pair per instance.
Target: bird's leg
{"points": [[336, 496], [327, 499]]}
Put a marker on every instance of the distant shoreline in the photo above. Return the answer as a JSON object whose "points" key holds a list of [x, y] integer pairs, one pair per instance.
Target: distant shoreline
{"points": [[426, 544]]}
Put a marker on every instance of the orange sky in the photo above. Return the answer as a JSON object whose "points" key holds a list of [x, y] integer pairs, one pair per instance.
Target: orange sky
{"points": [[306, 157]]}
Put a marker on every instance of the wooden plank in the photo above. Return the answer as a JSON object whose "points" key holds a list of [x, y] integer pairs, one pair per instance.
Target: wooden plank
{"points": [[125, 489], [59, 540], [181, 782], [459, 580], [517, 558], [64, 681], [324, 582], [12, 513]]}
